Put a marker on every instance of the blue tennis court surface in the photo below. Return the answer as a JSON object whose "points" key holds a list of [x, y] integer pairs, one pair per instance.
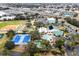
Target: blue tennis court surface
{"points": [[21, 39], [17, 38], [26, 39]]}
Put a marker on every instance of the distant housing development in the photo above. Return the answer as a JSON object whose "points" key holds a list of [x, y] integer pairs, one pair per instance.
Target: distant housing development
{"points": [[39, 29], [6, 16]]}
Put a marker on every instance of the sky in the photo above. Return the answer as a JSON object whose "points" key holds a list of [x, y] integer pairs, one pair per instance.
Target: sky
{"points": [[39, 1]]}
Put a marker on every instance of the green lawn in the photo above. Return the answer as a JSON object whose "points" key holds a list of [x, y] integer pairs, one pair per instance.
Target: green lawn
{"points": [[14, 22], [76, 36]]}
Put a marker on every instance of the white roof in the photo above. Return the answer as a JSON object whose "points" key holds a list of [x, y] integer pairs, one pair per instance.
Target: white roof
{"points": [[51, 20], [7, 17], [42, 29], [2, 13], [54, 30]]}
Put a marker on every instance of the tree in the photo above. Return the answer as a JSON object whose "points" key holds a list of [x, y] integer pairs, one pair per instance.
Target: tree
{"points": [[71, 44], [20, 17], [67, 19], [62, 23], [37, 54], [46, 45], [28, 24], [35, 35], [56, 19], [39, 24], [32, 49], [6, 52], [10, 34], [36, 14], [9, 45], [26, 13], [75, 15], [72, 21], [59, 43], [28, 18]]}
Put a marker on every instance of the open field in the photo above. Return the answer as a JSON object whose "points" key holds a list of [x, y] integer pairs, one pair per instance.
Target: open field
{"points": [[14, 22]]}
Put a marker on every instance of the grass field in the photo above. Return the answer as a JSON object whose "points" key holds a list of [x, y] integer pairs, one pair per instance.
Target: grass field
{"points": [[76, 36], [14, 22]]}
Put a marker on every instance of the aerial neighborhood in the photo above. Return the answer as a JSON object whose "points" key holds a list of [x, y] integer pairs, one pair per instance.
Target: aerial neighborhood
{"points": [[39, 29]]}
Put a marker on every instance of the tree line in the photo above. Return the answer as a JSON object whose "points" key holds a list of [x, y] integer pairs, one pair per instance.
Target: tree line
{"points": [[73, 21]]}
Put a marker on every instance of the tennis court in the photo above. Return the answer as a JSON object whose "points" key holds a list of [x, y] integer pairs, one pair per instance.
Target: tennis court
{"points": [[21, 39], [26, 38]]}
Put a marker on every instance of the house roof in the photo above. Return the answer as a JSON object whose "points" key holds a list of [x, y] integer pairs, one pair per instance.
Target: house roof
{"points": [[58, 33], [2, 13], [42, 29], [51, 20]]}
